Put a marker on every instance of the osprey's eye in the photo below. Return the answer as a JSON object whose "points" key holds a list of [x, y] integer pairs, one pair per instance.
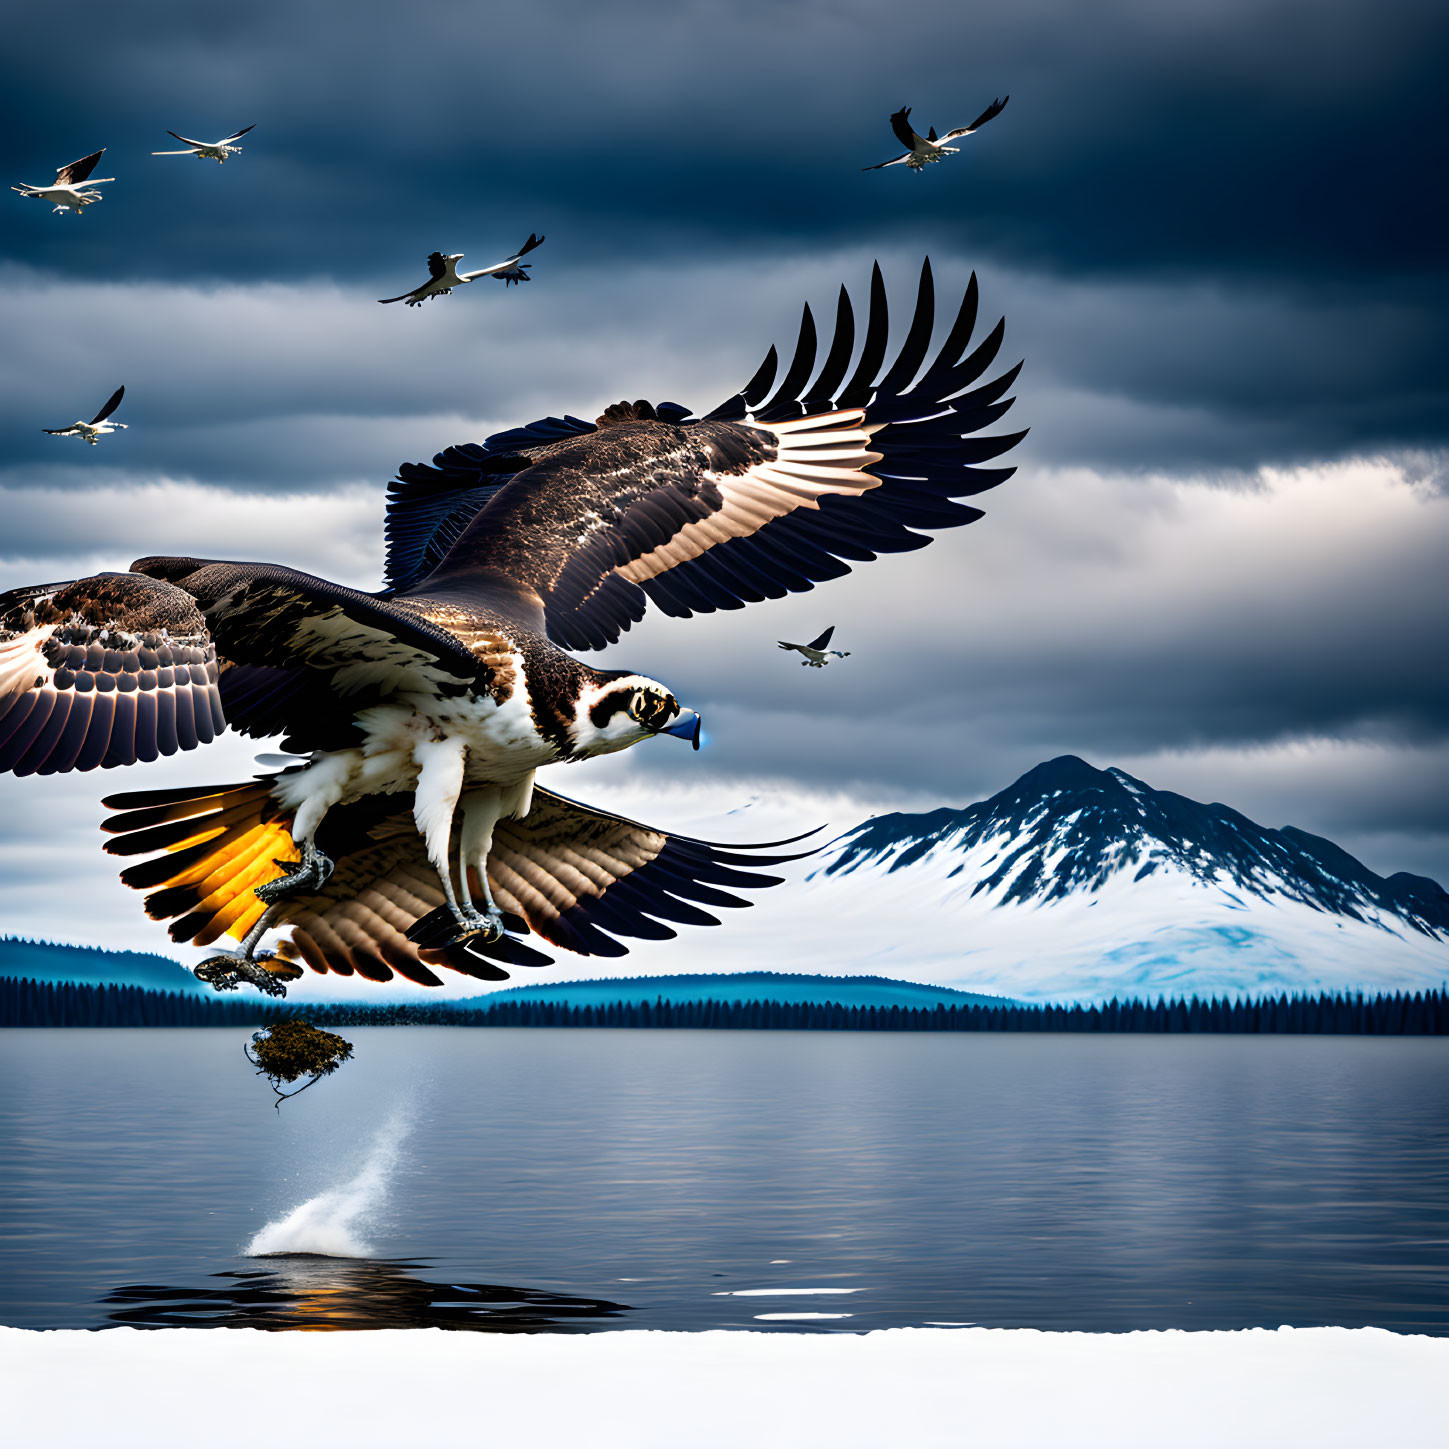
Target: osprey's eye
{"points": [[652, 710]]}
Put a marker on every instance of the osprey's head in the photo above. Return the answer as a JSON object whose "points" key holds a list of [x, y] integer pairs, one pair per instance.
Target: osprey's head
{"points": [[623, 709]]}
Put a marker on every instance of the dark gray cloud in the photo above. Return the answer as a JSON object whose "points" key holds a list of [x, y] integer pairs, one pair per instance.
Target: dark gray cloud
{"points": [[1214, 227], [1270, 135]]}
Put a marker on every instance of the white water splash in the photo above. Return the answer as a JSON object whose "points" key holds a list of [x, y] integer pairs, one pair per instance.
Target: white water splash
{"points": [[328, 1224]]}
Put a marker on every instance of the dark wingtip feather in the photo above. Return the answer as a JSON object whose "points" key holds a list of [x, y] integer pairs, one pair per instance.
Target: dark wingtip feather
{"points": [[786, 401], [858, 390], [918, 337], [759, 384], [821, 393]]}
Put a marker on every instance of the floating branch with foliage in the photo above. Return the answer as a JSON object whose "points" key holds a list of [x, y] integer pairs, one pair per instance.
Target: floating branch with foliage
{"points": [[293, 1049]]}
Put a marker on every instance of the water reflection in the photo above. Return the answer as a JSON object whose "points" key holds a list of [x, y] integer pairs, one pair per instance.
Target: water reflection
{"points": [[1076, 1183], [308, 1292]]}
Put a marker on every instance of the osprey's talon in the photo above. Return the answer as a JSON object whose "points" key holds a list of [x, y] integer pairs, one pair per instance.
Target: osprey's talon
{"points": [[477, 926], [227, 971], [444, 927], [311, 873]]}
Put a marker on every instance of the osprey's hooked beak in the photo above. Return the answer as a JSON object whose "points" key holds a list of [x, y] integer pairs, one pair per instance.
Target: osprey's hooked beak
{"points": [[687, 727]]}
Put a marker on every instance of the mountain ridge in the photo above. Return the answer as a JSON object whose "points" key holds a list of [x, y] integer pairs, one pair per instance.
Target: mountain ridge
{"points": [[1117, 821], [782, 986]]}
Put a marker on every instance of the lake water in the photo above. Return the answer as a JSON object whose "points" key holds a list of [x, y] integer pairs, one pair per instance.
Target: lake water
{"points": [[581, 1180]]}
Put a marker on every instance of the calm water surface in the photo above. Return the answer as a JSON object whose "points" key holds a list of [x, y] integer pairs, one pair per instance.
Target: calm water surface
{"points": [[570, 1180]]}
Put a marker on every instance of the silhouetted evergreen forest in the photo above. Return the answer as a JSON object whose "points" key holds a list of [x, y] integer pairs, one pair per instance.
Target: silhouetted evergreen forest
{"points": [[40, 1003]]}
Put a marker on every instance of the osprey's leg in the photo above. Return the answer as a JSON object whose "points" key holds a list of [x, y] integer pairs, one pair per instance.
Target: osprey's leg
{"points": [[311, 793], [308, 874], [228, 969], [435, 800], [460, 920], [481, 809]]}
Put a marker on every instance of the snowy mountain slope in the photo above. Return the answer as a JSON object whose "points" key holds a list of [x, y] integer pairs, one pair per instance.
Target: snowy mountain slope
{"points": [[1075, 883]]}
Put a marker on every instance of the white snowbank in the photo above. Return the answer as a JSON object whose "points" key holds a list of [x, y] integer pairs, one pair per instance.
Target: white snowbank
{"points": [[917, 1387]]}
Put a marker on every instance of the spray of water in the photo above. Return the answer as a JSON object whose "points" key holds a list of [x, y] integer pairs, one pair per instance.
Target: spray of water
{"points": [[329, 1223]]}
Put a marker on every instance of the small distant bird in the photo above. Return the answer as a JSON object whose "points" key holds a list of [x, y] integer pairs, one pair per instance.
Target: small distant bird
{"points": [[923, 150], [68, 194], [216, 151], [92, 430], [817, 656], [443, 274]]}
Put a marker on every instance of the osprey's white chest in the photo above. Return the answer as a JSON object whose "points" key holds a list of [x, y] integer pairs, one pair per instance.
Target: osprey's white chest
{"points": [[501, 738]]}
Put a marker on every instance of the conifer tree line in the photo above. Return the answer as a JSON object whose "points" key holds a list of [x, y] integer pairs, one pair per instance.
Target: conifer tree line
{"points": [[24, 1002], [1421, 1013]]}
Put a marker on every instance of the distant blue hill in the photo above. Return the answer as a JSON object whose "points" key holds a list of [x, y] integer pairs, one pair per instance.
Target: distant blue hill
{"points": [[781, 986], [50, 961]]}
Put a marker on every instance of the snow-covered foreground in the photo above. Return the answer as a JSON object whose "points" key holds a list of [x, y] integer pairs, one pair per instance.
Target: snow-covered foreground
{"points": [[920, 1387]]}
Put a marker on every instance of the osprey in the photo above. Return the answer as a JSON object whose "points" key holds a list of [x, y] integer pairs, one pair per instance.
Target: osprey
{"points": [[97, 426], [921, 151], [412, 837], [815, 652], [443, 274], [216, 151], [68, 193]]}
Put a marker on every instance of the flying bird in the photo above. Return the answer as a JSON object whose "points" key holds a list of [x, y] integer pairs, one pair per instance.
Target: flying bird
{"points": [[411, 837], [815, 652], [922, 151], [216, 151], [74, 188], [443, 274], [97, 426]]}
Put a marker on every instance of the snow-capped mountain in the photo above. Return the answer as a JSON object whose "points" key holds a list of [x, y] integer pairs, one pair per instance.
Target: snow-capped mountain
{"points": [[1077, 884]]}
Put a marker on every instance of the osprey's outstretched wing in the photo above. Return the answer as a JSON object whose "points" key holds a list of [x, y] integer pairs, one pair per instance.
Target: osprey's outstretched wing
{"points": [[77, 171], [186, 140], [103, 671], [301, 655], [767, 495], [111, 405], [118, 668], [581, 877], [235, 135], [578, 877], [993, 110], [823, 640]]}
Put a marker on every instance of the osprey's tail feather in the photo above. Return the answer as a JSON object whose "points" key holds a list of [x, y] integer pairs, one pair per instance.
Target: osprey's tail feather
{"points": [[219, 843]]}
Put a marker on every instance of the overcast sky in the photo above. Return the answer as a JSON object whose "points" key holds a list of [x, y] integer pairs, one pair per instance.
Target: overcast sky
{"points": [[1216, 231]]}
